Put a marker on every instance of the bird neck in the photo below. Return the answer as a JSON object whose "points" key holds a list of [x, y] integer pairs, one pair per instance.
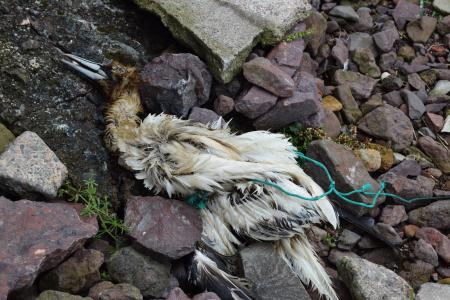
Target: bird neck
{"points": [[122, 117]]}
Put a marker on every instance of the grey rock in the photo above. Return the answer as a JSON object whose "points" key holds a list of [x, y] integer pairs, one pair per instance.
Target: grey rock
{"points": [[388, 233], [385, 39], [383, 256], [152, 278], [345, 168], [288, 56], [350, 107], [417, 273], [80, 272], [263, 73], [434, 237], [176, 83], [39, 236], [416, 108], [404, 12], [177, 294], [29, 168], [55, 295], [367, 280], [271, 277], [361, 85], [203, 115], [433, 291], [393, 98], [424, 251], [443, 26], [388, 61], [255, 102], [224, 34], [331, 124], [391, 83], [348, 239], [361, 40], [365, 23], [406, 68], [388, 123], [337, 255], [168, 227], [304, 108], [109, 291], [441, 88], [416, 82], [435, 215], [344, 12], [368, 242]]}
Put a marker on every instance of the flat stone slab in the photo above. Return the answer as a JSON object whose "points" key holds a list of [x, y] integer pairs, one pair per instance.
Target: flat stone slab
{"points": [[223, 32]]}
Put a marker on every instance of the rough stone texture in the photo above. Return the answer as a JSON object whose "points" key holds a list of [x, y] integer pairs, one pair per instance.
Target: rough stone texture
{"points": [[360, 85], [438, 153], [416, 108], [271, 277], [385, 39], [177, 294], [361, 40], [304, 108], [404, 12], [223, 105], [420, 30], [433, 291], [109, 291], [417, 273], [317, 22], [168, 227], [340, 52], [348, 239], [344, 12], [203, 115], [365, 60], [176, 82], [29, 168], [424, 251], [78, 273], [367, 280], [6, 137], [345, 168], [224, 32], [442, 5], [263, 73], [435, 215], [440, 242], [371, 159], [255, 102], [388, 123], [55, 295], [288, 56], [38, 237], [388, 234], [393, 214], [152, 278], [331, 124], [351, 109], [40, 94]]}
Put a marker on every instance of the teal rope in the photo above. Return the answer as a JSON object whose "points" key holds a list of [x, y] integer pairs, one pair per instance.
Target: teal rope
{"points": [[198, 199]]}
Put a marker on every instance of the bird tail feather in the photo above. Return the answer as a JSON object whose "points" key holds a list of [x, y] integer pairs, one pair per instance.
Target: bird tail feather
{"points": [[298, 253]]}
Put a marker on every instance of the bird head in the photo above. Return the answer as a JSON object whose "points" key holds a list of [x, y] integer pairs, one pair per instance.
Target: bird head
{"points": [[111, 77]]}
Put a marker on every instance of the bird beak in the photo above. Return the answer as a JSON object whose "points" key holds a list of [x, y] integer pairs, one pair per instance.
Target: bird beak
{"points": [[87, 68]]}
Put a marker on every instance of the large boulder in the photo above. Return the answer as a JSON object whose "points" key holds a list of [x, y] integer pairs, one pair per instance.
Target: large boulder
{"points": [[40, 94], [224, 33], [38, 237], [175, 83]]}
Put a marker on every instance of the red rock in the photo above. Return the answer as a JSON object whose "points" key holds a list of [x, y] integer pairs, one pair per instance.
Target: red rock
{"points": [[255, 102], [263, 73], [223, 105], [203, 115], [168, 227], [393, 214], [440, 242], [288, 56], [438, 153], [436, 122], [38, 236], [177, 294]]}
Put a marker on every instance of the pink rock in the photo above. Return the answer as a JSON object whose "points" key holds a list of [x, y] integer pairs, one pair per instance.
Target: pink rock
{"points": [[288, 56], [223, 105], [255, 102], [37, 237], [168, 227], [436, 122], [177, 294], [393, 214]]}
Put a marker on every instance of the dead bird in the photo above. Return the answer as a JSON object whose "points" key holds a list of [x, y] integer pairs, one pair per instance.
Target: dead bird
{"points": [[182, 158]]}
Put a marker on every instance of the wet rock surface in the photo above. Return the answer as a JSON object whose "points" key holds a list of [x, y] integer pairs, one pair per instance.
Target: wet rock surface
{"points": [[40, 235]]}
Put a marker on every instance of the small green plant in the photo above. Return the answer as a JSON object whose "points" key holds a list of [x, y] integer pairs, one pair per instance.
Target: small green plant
{"points": [[349, 139], [330, 240], [301, 137], [298, 35], [104, 275], [94, 205]]}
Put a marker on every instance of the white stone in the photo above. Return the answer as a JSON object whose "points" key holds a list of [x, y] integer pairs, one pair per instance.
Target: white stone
{"points": [[442, 87], [223, 32], [433, 291], [446, 128], [442, 5]]}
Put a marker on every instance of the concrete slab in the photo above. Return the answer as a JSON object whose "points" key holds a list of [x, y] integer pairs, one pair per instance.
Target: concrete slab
{"points": [[223, 32]]}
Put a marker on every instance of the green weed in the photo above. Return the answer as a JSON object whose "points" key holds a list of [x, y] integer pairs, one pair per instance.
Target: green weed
{"points": [[95, 205], [301, 137], [298, 35], [330, 240]]}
